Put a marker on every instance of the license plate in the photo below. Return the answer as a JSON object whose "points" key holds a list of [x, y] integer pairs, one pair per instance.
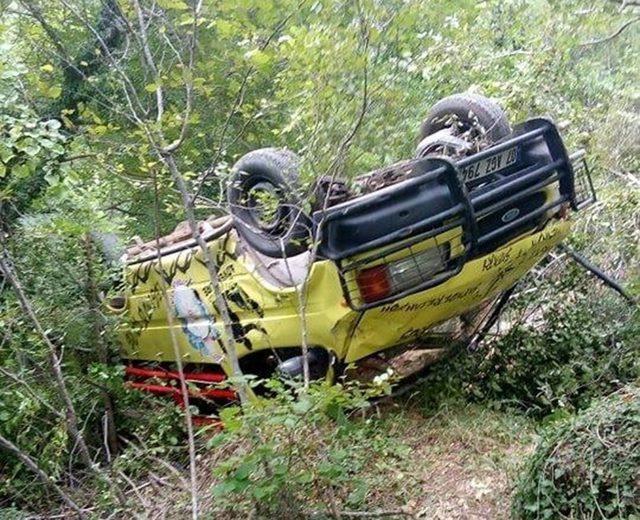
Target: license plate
{"points": [[490, 165]]}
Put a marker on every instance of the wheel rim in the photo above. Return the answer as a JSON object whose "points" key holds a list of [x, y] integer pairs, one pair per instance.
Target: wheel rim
{"points": [[265, 205]]}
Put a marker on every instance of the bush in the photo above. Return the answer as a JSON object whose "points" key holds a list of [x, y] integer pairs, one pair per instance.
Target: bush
{"points": [[289, 457], [572, 345], [26, 418], [586, 467]]}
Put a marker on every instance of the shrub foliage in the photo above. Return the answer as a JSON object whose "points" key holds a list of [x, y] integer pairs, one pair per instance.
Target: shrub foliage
{"points": [[291, 457], [566, 345], [588, 467]]}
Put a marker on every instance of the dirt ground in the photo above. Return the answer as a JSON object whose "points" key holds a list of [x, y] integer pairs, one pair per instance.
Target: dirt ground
{"points": [[466, 461], [457, 487], [461, 463]]}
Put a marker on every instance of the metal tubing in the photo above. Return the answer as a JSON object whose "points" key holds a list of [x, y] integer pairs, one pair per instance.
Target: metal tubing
{"points": [[437, 279], [216, 393], [491, 320], [167, 374], [403, 245], [598, 273], [517, 196], [516, 183], [382, 241], [578, 154]]}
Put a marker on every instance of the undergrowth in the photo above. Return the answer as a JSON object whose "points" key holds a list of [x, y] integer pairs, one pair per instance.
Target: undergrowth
{"points": [[587, 467], [291, 456], [564, 348]]}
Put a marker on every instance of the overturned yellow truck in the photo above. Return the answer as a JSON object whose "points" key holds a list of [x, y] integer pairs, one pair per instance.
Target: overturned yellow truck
{"points": [[403, 260]]}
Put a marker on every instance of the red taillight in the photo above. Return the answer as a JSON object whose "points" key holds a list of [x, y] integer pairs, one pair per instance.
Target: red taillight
{"points": [[374, 283]]}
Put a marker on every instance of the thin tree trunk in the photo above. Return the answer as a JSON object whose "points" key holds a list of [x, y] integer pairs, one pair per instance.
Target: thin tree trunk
{"points": [[228, 338], [70, 412], [72, 419], [176, 354], [97, 325]]}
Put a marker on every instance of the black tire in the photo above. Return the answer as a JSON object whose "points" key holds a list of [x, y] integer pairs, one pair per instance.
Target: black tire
{"points": [[469, 110], [284, 228]]}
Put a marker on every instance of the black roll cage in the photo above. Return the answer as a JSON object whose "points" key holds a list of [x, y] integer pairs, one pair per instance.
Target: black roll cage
{"points": [[434, 200]]}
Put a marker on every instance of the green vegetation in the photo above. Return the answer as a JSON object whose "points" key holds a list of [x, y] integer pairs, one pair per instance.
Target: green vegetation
{"points": [[587, 467], [567, 342], [345, 85], [292, 456]]}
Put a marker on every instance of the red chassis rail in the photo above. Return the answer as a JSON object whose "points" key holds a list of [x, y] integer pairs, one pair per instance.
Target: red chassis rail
{"points": [[151, 380]]}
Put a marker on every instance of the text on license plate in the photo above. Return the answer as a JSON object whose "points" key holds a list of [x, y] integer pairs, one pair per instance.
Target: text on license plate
{"points": [[490, 165]]}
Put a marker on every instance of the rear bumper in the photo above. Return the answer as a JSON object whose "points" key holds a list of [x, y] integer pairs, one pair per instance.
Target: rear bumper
{"points": [[488, 213]]}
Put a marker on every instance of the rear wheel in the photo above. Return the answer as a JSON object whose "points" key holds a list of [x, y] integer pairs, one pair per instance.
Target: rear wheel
{"points": [[265, 205]]}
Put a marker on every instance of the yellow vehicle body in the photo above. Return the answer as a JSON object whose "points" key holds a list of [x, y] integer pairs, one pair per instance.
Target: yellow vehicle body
{"points": [[267, 317], [392, 264]]}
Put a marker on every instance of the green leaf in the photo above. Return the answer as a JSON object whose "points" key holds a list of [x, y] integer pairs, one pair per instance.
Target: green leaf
{"points": [[224, 488], [305, 477], [173, 4], [225, 28], [302, 406], [217, 441], [358, 495], [244, 470], [6, 153], [21, 170], [54, 92], [262, 492], [231, 419], [52, 180], [258, 58]]}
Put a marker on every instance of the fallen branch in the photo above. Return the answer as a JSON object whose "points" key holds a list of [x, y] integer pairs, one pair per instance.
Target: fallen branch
{"points": [[362, 514], [365, 514], [627, 176]]}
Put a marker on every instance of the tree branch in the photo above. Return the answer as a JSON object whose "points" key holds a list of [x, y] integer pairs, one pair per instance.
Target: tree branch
{"points": [[613, 35], [236, 105], [188, 84], [146, 52], [7, 445]]}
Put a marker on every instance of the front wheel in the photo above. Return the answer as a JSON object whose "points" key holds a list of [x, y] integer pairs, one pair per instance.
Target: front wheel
{"points": [[470, 118]]}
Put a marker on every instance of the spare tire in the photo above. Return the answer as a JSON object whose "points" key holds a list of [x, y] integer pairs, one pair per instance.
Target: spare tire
{"points": [[264, 202], [468, 111]]}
